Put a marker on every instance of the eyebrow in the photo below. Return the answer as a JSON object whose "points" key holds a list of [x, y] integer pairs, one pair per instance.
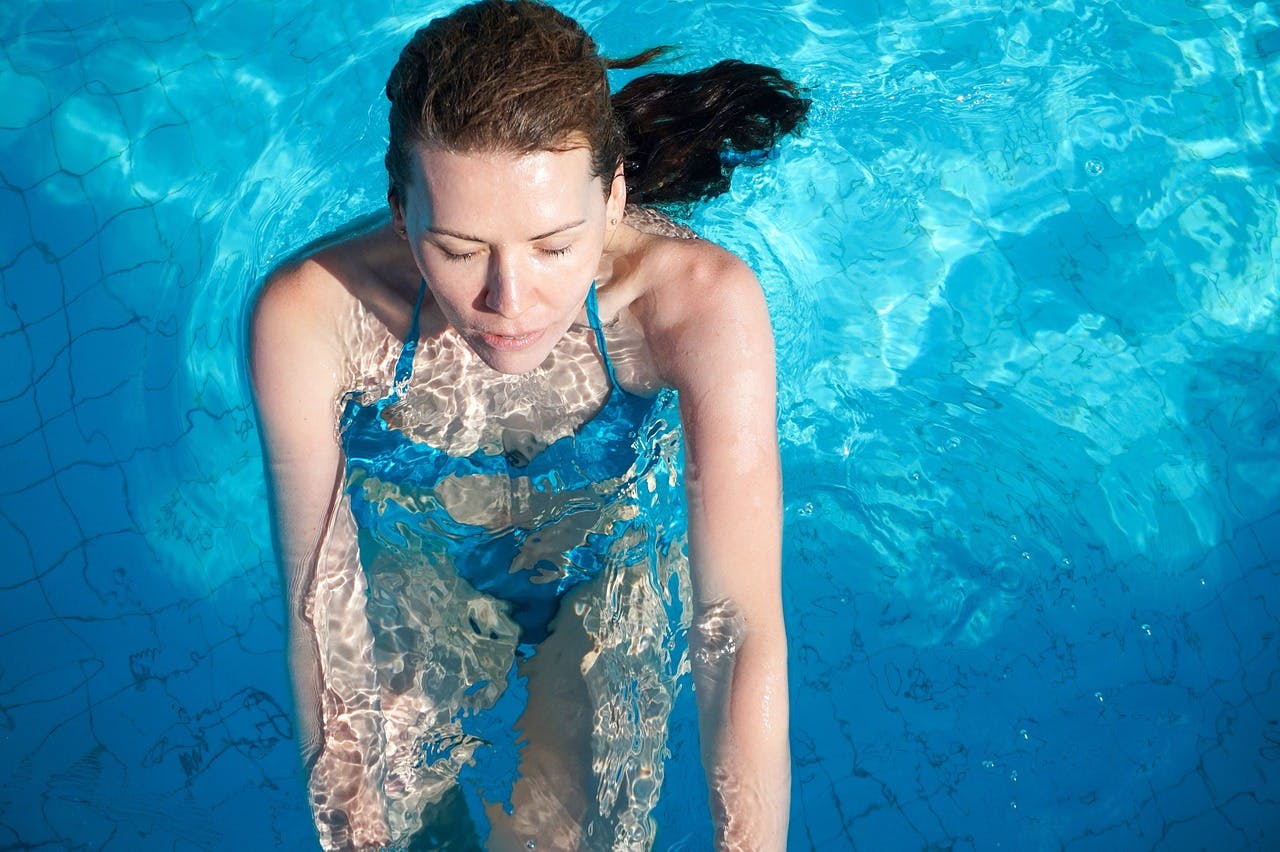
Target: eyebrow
{"points": [[472, 239]]}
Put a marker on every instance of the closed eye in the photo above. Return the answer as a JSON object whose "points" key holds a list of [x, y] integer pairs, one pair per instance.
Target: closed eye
{"points": [[456, 257], [556, 252]]}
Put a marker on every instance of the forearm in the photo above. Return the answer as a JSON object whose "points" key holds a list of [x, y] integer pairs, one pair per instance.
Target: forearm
{"points": [[336, 693], [741, 682]]}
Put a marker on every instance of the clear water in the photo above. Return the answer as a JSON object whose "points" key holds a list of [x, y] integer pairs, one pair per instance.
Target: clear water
{"points": [[1023, 269]]}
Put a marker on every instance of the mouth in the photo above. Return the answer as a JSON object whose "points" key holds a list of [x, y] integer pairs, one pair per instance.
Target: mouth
{"points": [[511, 342]]}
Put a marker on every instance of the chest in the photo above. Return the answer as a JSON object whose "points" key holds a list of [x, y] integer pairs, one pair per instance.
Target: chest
{"points": [[455, 404]]}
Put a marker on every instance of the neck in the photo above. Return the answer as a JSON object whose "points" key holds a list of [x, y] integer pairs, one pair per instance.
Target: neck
{"points": [[617, 262]]}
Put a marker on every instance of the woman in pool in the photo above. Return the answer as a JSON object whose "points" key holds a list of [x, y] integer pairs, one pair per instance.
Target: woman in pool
{"points": [[472, 444]]}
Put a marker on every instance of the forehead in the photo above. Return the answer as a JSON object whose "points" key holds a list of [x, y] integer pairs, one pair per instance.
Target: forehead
{"points": [[503, 184]]}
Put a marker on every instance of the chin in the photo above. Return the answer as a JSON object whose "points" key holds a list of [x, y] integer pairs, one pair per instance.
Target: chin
{"points": [[512, 367], [512, 363]]}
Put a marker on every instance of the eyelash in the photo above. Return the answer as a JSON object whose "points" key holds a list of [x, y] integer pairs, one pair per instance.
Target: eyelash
{"points": [[459, 258]]}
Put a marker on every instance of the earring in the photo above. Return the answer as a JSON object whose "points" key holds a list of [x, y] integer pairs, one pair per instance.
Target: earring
{"points": [[613, 221]]}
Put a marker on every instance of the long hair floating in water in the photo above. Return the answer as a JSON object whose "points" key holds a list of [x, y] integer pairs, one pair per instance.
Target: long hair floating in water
{"points": [[687, 132], [518, 75]]}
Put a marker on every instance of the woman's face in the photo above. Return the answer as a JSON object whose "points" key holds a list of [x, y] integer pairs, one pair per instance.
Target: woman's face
{"points": [[509, 244]]}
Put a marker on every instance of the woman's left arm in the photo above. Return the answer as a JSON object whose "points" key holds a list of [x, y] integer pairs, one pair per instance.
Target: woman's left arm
{"points": [[717, 350]]}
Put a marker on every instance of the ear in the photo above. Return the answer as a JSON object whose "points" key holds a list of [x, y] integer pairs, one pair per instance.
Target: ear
{"points": [[617, 201], [397, 211]]}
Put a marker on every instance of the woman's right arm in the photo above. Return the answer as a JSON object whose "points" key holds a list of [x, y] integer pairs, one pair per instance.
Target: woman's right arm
{"points": [[295, 359]]}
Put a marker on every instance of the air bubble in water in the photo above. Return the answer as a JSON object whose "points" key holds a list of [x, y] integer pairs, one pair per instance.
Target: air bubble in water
{"points": [[1093, 167], [1013, 776], [1098, 695], [1146, 628], [988, 764]]}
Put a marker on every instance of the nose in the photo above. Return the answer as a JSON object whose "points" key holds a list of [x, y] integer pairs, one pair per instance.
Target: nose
{"points": [[506, 290]]}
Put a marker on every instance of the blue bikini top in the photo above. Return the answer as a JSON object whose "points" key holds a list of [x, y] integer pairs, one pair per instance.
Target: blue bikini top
{"points": [[603, 463]]}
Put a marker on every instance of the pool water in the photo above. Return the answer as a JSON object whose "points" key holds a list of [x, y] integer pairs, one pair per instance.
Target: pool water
{"points": [[1023, 272]]}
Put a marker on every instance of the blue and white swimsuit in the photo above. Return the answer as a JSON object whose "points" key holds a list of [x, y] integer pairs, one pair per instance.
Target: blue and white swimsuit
{"points": [[625, 447]]}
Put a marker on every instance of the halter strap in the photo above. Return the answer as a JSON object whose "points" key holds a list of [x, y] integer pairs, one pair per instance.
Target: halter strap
{"points": [[404, 366], [593, 317]]}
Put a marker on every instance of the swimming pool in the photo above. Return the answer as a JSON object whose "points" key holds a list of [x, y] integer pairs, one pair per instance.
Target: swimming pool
{"points": [[1023, 271]]}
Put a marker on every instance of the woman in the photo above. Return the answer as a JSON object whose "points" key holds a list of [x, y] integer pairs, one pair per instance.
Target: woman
{"points": [[471, 439]]}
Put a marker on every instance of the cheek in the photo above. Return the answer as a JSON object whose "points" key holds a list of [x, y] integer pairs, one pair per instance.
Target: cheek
{"points": [[572, 281], [453, 289], [585, 259]]}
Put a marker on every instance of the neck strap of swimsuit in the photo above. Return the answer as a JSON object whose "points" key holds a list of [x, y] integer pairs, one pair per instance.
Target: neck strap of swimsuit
{"points": [[404, 367], [593, 317]]}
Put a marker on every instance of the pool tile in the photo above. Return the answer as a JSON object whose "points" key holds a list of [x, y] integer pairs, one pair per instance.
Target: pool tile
{"points": [[119, 238], [61, 214], [27, 99], [36, 306], [74, 436], [122, 346], [97, 495], [163, 21], [121, 66], [87, 131]]}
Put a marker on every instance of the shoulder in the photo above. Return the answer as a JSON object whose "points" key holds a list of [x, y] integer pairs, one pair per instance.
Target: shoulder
{"points": [[345, 295], [309, 316], [293, 360], [300, 287], [704, 313], [317, 290], [320, 276], [296, 309]]}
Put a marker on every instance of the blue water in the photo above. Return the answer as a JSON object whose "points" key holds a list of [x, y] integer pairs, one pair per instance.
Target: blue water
{"points": [[1023, 271]]}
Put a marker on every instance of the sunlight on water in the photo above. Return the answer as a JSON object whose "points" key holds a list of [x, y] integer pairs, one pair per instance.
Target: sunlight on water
{"points": [[1021, 213]]}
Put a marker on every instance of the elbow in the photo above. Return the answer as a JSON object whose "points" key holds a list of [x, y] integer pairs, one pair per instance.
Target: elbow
{"points": [[721, 633], [717, 633]]}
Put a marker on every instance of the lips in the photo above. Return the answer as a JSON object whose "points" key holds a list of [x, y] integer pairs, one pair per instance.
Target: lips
{"points": [[511, 342]]}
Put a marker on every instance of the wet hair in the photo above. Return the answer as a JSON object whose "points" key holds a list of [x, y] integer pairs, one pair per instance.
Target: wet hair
{"points": [[520, 76]]}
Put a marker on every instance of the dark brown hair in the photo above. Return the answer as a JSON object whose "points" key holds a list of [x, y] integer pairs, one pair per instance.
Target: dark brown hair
{"points": [[518, 75]]}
